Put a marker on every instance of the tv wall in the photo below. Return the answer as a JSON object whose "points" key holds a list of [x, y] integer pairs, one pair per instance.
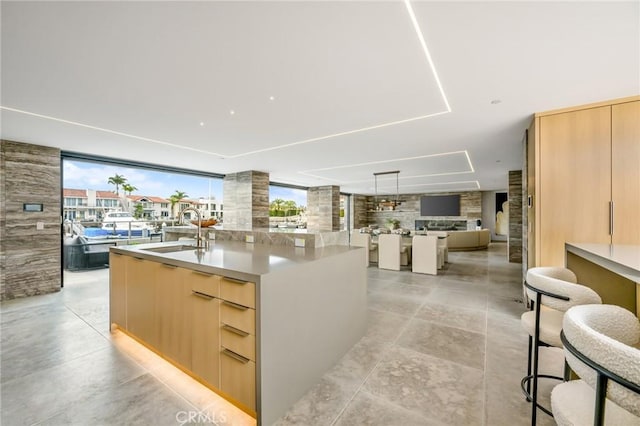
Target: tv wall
{"points": [[440, 205]]}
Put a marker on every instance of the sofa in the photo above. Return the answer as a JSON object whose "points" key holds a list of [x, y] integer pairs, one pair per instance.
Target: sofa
{"points": [[468, 240]]}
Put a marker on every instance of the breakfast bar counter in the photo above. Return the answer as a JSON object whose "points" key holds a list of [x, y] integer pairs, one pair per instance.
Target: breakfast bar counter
{"points": [[612, 270]]}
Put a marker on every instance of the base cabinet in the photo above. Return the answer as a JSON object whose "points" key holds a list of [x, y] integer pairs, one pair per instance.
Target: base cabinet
{"points": [[237, 377], [173, 319], [205, 342], [141, 299], [183, 315]]}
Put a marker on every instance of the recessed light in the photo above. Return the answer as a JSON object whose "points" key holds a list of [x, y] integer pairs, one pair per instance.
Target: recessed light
{"points": [[495, 101], [271, 98], [202, 123], [232, 112]]}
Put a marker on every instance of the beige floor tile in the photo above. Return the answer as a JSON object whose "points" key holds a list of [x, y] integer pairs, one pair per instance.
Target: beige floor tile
{"points": [[449, 343], [448, 392]]}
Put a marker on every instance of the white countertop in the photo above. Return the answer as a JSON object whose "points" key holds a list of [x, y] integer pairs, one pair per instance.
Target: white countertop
{"points": [[619, 258], [234, 259]]}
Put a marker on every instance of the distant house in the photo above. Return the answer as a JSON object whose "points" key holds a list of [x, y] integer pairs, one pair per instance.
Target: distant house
{"points": [[153, 207], [88, 204]]}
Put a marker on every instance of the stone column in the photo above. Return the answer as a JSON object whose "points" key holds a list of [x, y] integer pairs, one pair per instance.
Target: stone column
{"points": [[323, 208], [246, 200], [515, 216], [29, 240]]}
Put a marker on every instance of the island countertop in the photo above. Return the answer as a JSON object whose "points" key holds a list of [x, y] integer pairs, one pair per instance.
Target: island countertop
{"points": [[234, 258], [619, 258]]}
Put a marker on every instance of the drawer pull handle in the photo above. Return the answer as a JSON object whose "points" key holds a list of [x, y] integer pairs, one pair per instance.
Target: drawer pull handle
{"points": [[235, 356], [203, 295], [115, 254], [235, 330], [202, 273], [234, 305], [138, 258], [235, 280], [166, 265]]}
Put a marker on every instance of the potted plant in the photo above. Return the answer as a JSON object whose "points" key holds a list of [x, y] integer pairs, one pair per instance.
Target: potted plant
{"points": [[392, 223]]}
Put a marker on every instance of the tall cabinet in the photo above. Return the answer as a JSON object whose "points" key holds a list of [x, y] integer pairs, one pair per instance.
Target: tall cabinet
{"points": [[584, 183]]}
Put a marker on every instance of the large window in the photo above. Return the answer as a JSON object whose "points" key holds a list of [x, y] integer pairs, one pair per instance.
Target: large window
{"points": [[146, 192], [287, 207]]}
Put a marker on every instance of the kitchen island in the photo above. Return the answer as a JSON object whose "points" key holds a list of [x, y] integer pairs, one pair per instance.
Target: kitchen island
{"points": [[259, 324]]}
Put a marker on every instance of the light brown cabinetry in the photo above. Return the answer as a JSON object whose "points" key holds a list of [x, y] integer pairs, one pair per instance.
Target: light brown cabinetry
{"points": [[205, 314], [238, 340], [141, 299], [118, 289], [173, 317], [202, 322], [583, 159], [625, 166]]}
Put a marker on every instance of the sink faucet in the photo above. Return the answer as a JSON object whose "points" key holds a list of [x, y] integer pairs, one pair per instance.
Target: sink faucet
{"points": [[200, 242]]}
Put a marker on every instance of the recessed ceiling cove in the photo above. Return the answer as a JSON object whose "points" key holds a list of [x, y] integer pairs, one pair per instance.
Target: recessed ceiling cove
{"points": [[237, 80], [424, 166]]}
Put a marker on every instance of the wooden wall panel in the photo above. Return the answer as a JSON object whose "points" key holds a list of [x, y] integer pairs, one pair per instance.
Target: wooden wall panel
{"points": [[574, 186], [625, 168]]}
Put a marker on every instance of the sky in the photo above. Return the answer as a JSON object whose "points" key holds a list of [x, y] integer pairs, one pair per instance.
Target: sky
{"points": [[89, 175]]}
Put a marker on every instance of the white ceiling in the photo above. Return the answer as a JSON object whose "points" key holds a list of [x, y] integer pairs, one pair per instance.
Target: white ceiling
{"points": [[353, 90]]}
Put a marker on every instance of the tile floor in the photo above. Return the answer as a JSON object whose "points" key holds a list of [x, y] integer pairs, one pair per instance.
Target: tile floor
{"points": [[439, 350]]}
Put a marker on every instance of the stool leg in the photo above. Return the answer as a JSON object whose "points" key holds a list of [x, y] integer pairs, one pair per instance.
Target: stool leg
{"points": [[536, 347], [529, 367]]}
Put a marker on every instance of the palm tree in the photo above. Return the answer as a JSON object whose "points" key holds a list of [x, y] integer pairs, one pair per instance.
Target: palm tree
{"points": [[128, 188], [289, 205], [175, 199], [117, 180], [276, 206]]}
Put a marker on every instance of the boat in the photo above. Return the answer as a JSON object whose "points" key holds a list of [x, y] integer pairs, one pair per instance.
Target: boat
{"points": [[121, 223]]}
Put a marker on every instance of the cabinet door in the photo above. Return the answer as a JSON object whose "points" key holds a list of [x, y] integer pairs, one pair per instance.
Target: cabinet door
{"points": [[141, 300], [205, 338], [238, 378], [117, 290], [173, 313], [575, 181], [625, 149]]}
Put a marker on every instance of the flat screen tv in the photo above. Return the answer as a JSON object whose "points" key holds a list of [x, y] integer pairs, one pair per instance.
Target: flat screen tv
{"points": [[440, 205]]}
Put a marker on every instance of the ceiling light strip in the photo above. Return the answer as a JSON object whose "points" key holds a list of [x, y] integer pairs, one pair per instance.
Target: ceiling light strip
{"points": [[113, 132], [416, 27], [369, 163], [349, 132]]}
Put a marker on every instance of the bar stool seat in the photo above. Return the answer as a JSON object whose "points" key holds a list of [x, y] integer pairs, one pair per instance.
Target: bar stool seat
{"points": [[600, 344], [552, 291], [550, 325]]}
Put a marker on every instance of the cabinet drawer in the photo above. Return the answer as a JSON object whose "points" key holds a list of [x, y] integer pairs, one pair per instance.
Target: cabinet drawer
{"points": [[238, 378], [238, 291], [238, 316], [238, 341], [204, 283]]}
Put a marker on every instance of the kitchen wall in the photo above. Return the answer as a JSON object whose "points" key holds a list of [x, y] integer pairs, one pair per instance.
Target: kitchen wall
{"points": [[409, 211], [30, 242]]}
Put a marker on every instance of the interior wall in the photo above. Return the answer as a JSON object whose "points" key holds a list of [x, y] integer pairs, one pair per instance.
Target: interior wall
{"points": [[409, 211], [515, 216], [30, 242], [489, 214]]}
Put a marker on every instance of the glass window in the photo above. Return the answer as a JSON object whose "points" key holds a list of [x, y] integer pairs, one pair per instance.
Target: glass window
{"points": [[287, 207]]}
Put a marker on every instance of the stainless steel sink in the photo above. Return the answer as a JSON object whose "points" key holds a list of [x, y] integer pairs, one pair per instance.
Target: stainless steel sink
{"points": [[169, 249]]}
